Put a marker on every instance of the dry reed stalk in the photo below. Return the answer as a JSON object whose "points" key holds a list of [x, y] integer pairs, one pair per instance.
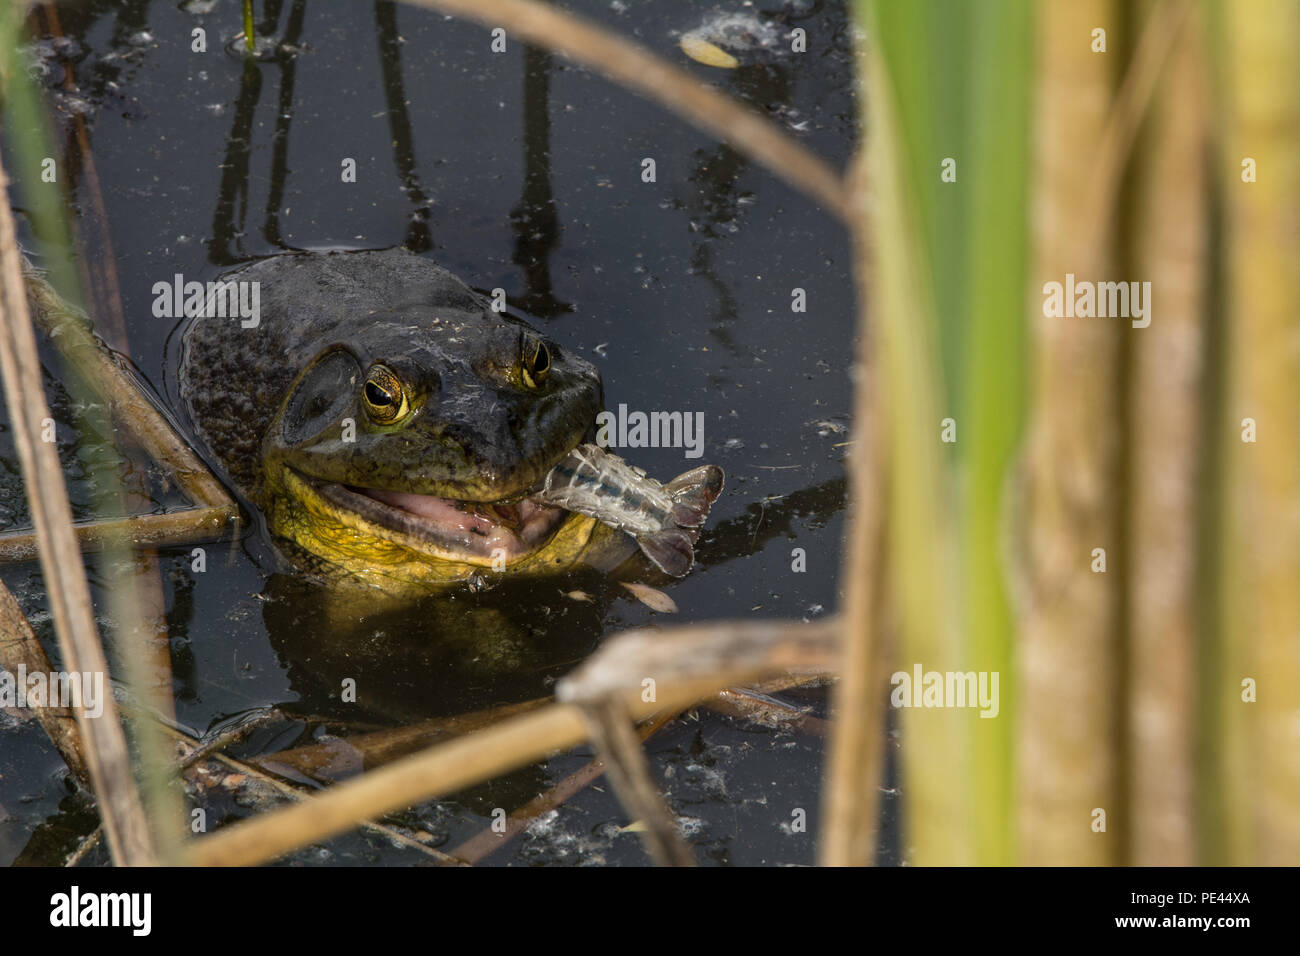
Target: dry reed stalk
{"points": [[856, 749], [132, 579], [20, 648], [1255, 781], [1170, 248], [104, 373], [108, 761], [614, 735], [340, 757], [191, 755], [443, 769], [489, 840], [192, 526], [1067, 736], [612, 671]]}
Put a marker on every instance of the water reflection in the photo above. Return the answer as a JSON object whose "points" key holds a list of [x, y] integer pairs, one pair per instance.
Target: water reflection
{"points": [[280, 142], [716, 206], [399, 124], [457, 652], [230, 217], [535, 219]]}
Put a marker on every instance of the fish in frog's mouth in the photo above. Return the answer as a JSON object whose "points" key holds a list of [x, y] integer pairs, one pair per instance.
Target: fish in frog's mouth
{"points": [[588, 483]]}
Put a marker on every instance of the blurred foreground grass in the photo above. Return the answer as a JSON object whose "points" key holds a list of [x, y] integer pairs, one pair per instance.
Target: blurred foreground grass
{"points": [[1104, 513]]}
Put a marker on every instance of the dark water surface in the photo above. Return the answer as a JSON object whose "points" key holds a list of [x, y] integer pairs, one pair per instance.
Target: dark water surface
{"points": [[520, 171]]}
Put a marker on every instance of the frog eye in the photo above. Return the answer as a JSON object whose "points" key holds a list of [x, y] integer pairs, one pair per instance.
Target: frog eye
{"points": [[384, 397], [534, 361]]}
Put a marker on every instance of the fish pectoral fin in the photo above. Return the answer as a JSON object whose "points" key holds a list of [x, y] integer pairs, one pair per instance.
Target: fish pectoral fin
{"points": [[669, 550], [693, 493]]}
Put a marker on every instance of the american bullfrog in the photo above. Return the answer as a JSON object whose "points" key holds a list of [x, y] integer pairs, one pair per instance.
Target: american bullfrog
{"points": [[390, 424]]}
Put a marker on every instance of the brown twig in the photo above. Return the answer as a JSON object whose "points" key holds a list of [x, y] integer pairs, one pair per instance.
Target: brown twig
{"points": [[489, 840], [19, 648], [1171, 245], [1250, 781], [856, 754], [111, 381], [740, 651], [129, 838], [614, 736], [206, 748], [723, 652], [297, 794], [333, 760], [191, 526], [287, 790], [84, 847], [1115, 144], [1067, 656], [439, 770]]}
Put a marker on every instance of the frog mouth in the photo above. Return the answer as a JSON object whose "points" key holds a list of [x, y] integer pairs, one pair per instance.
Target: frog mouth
{"points": [[477, 532]]}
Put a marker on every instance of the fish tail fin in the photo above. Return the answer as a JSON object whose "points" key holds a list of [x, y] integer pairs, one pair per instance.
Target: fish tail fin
{"points": [[693, 493], [669, 550]]}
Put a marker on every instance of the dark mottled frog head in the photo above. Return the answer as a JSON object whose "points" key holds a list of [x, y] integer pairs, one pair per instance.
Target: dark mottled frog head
{"points": [[387, 420]]}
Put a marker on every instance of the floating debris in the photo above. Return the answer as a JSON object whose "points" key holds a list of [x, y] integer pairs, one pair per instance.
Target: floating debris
{"points": [[717, 40], [652, 598], [826, 426], [702, 51]]}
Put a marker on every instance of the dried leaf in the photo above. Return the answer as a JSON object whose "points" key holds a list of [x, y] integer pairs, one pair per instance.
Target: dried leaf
{"points": [[652, 598]]}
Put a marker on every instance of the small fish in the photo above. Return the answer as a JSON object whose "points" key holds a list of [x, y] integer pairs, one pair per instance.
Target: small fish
{"points": [[595, 483]]}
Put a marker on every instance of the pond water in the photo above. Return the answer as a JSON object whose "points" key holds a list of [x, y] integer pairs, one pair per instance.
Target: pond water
{"points": [[516, 170]]}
